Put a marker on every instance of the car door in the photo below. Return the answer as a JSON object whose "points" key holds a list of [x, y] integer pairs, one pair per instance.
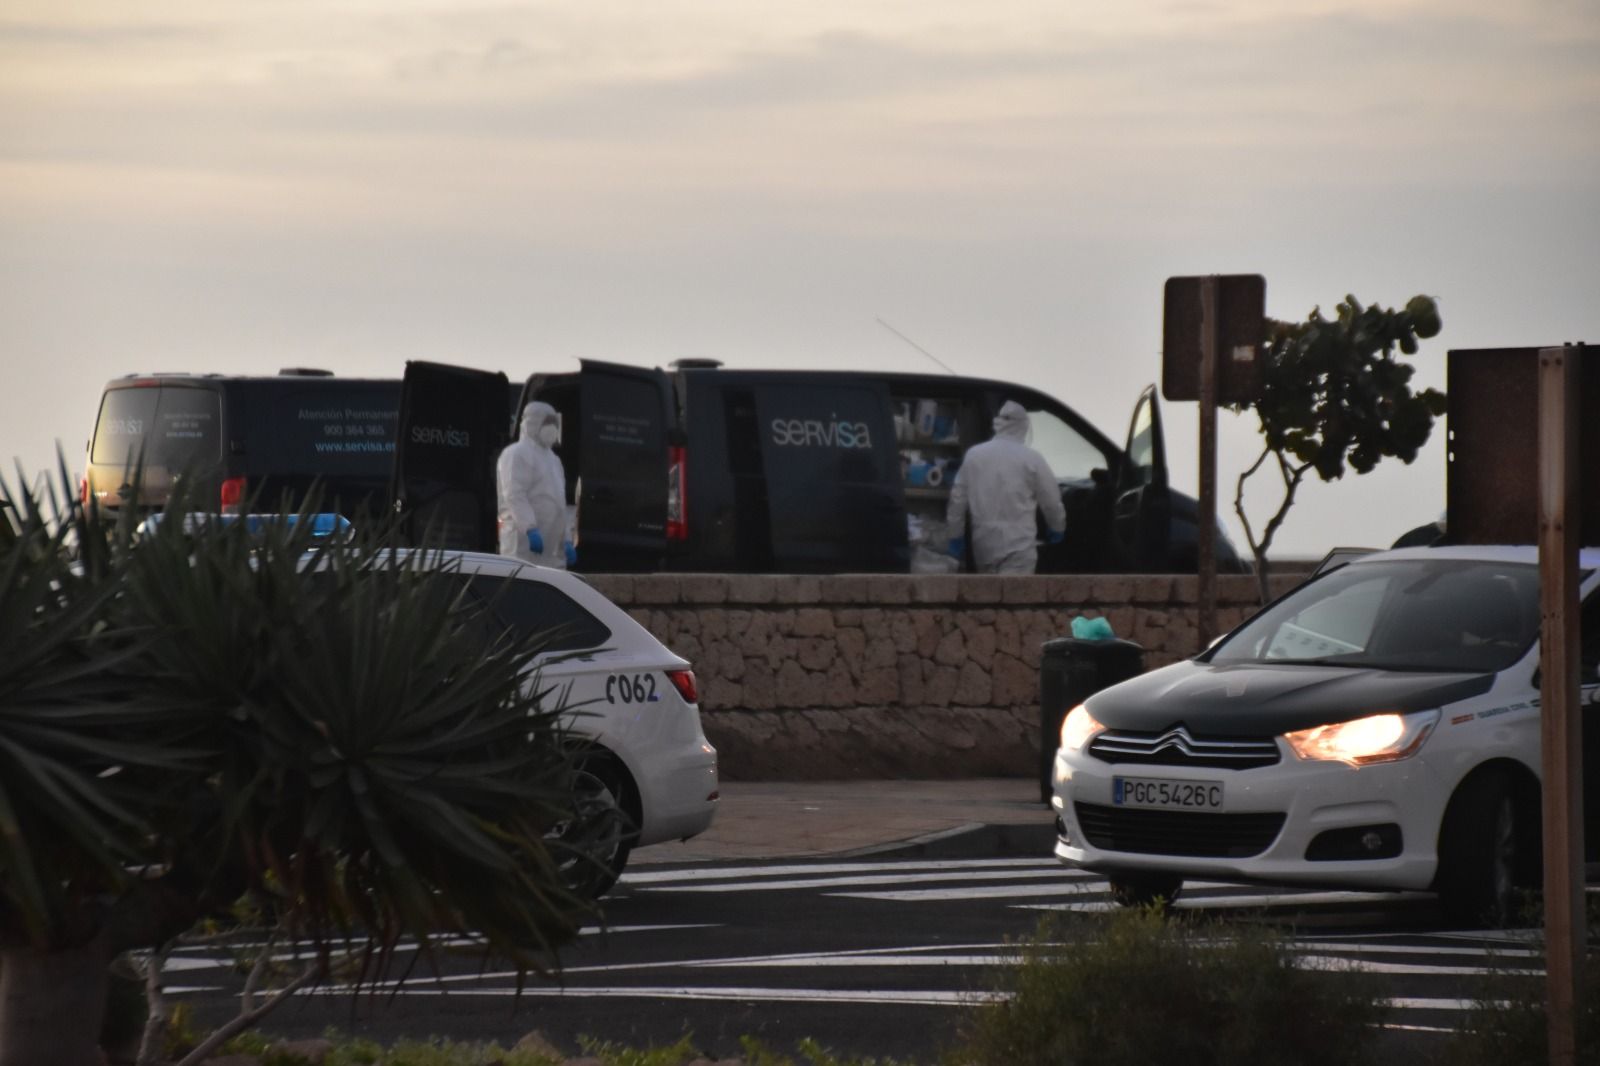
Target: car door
{"points": [[1142, 508], [834, 496], [451, 430], [626, 428]]}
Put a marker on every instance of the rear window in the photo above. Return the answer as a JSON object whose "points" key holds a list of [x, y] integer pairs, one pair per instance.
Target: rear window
{"points": [[174, 428], [532, 607]]}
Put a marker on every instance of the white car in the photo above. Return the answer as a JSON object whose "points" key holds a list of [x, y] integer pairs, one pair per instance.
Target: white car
{"points": [[1376, 728], [634, 708]]}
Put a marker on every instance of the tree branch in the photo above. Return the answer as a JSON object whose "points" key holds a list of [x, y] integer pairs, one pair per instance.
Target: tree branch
{"points": [[155, 1023], [248, 1018]]}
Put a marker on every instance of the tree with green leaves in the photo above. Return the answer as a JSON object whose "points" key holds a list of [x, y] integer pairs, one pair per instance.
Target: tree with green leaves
{"points": [[1335, 394], [207, 713]]}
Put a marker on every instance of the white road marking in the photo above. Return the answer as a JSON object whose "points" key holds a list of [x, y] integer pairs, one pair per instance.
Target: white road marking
{"points": [[939, 895], [898, 997], [1408, 949], [882, 879], [1395, 968], [728, 873]]}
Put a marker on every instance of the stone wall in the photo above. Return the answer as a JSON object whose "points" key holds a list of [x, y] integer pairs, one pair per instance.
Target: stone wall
{"points": [[805, 678]]}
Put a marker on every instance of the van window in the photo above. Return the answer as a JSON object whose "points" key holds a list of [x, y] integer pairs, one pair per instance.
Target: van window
{"points": [[177, 428], [1069, 453], [334, 431], [532, 607]]}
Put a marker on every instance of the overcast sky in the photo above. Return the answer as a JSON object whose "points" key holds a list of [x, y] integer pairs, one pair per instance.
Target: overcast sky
{"points": [[241, 186]]}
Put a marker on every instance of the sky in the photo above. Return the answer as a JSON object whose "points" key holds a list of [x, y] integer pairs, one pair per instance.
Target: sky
{"points": [[349, 184]]}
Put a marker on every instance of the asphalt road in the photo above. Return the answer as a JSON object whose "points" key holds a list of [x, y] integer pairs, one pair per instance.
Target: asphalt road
{"points": [[873, 955]]}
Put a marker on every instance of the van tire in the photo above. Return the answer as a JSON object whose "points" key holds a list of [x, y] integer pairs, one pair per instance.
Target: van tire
{"points": [[1483, 847], [1145, 889], [593, 847]]}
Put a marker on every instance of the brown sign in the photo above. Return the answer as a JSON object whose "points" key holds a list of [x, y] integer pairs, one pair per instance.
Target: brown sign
{"points": [[1492, 472], [1241, 336]]}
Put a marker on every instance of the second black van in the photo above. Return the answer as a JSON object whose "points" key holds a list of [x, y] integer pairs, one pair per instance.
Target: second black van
{"points": [[701, 468]]}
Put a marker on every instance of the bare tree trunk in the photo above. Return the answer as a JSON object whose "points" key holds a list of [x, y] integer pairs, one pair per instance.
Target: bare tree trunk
{"points": [[52, 1004]]}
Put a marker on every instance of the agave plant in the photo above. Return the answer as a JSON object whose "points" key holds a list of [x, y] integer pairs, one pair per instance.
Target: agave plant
{"points": [[212, 709]]}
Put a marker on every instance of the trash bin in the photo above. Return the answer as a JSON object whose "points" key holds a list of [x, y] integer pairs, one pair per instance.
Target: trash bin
{"points": [[1070, 671]]}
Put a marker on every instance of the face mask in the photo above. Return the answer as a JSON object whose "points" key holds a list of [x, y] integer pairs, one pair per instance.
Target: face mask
{"points": [[549, 435]]}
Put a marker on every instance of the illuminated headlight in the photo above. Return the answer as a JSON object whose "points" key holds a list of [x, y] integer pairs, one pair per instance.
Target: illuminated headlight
{"points": [[1375, 738], [1078, 728]]}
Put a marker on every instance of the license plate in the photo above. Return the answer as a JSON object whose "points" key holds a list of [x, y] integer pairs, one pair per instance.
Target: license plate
{"points": [[1166, 794]]}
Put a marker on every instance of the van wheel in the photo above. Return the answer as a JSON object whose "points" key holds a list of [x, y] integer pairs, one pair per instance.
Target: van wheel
{"points": [[592, 847], [1146, 889], [1482, 844]]}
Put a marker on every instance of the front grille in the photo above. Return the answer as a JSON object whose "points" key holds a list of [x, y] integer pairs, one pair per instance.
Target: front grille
{"points": [[1217, 836], [1178, 747]]}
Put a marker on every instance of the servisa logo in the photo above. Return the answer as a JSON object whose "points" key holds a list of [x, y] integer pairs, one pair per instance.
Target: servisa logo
{"points": [[815, 433], [445, 436]]}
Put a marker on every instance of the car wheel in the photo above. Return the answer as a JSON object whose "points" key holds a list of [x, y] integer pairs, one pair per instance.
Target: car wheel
{"points": [[593, 846], [1146, 889], [1480, 851]]}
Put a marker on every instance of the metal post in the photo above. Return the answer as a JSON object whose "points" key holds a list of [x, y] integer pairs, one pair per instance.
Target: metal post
{"points": [[1206, 526], [1560, 738]]}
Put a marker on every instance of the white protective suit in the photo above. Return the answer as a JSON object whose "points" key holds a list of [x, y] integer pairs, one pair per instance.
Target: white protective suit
{"points": [[1002, 482], [533, 491]]}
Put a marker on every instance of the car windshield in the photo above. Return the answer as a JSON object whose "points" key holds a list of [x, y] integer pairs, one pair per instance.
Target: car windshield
{"points": [[1452, 615]]}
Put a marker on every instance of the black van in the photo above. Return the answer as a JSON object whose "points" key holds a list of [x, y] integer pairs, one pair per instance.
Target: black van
{"points": [[246, 438], [701, 468]]}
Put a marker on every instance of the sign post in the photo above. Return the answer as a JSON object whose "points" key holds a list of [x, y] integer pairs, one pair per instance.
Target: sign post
{"points": [[1561, 739], [1212, 330]]}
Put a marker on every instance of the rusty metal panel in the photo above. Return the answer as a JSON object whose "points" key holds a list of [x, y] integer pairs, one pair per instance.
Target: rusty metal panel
{"points": [[1241, 321], [1492, 471]]}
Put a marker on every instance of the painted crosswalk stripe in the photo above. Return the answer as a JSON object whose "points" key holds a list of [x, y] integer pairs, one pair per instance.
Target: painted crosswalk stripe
{"points": [[895, 996], [885, 879], [734, 873]]}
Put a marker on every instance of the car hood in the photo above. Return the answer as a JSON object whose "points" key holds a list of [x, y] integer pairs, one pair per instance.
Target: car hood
{"points": [[1257, 699]]}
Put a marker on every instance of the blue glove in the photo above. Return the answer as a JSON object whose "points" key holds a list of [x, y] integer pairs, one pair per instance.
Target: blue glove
{"points": [[958, 547], [535, 542], [570, 552], [1055, 536]]}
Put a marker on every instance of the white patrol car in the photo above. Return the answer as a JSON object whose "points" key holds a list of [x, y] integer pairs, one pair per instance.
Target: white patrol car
{"points": [[1376, 728], [634, 709]]}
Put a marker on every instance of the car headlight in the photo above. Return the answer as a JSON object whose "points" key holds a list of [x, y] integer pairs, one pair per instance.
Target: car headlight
{"points": [[1078, 728], [1360, 741]]}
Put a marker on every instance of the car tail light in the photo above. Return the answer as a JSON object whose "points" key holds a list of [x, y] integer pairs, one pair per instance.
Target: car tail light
{"points": [[683, 681], [83, 490], [677, 494], [233, 496]]}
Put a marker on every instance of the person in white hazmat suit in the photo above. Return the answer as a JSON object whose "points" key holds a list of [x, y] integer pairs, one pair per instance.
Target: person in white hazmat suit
{"points": [[533, 493], [1002, 482]]}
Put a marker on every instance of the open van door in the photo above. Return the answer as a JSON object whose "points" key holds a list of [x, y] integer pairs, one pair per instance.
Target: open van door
{"points": [[834, 492], [631, 468], [1142, 511], [452, 427]]}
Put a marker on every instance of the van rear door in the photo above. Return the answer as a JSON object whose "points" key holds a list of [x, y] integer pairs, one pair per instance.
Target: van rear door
{"points": [[452, 427], [1142, 513], [832, 464], [627, 427]]}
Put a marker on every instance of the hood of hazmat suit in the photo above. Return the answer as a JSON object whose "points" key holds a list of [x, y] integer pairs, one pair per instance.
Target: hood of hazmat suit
{"points": [[533, 491]]}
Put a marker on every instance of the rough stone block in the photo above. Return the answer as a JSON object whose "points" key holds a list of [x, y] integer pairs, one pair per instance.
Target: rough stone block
{"points": [[760, 685], [936, 588], [656, 588], [1014, 682], [1152, 589], [880, 686], [703, 589], [979, 588], [841, 589], [618, 588], [791, 588], [909, 669], [887, 588], [1111, 589], [952, 649], [1024, 588], [817, 653], [973, 686], [812, 622], [752, 588], [1076, 591]]}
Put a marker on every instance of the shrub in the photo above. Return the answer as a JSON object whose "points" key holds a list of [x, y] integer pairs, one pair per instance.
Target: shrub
{"points": [[1144, 990]]}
